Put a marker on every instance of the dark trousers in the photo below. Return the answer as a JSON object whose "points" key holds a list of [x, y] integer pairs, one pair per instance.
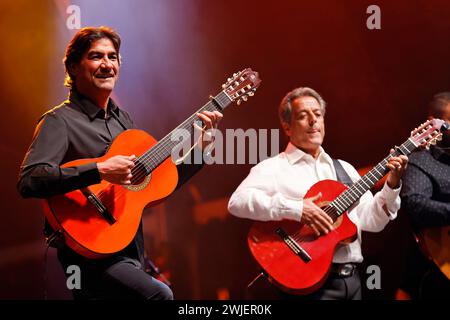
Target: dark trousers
{"points": [[117, 278], [336, 287]]}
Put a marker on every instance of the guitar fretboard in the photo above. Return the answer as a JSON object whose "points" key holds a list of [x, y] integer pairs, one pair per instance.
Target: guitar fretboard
{"points": [[347, 198], [163, 149]]}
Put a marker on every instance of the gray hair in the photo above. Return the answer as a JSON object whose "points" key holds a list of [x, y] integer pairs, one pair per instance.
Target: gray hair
{"points": [[437, 105], [285, 108]]}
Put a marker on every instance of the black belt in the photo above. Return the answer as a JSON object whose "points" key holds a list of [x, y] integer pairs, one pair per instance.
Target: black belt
{"points": [[344, 270]]}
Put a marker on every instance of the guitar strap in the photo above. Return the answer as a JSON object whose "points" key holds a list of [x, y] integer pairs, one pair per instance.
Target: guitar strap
{"points": [[341, 174]]}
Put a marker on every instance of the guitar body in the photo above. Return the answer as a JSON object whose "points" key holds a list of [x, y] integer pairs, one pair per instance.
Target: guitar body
{"points": [[435, 242], [85, 230], [288, 270]]}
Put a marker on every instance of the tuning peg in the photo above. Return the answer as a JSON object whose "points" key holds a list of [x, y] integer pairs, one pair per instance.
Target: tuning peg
{"points": [[251, 93], [239, 102], [245, 98]]}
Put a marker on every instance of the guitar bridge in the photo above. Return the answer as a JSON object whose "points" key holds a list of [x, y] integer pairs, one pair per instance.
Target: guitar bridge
{"points": [[293, 245], [92, 198]]}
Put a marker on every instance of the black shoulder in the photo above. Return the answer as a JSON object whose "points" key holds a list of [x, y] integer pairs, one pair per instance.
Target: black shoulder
{"points": [[419, 157], [58, 111]]}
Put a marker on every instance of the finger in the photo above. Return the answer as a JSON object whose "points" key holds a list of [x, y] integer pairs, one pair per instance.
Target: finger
{"points": [[404, 159], [390, 166], [317, 232], [197, 127], [205, 119], [323, 224], [218, 114], [327, 218], [316, 197], [209, 114]]}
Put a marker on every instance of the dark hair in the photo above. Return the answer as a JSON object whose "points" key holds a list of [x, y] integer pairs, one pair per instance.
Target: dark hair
{"points": [[438, 104], [82, 42], [285, 108]]}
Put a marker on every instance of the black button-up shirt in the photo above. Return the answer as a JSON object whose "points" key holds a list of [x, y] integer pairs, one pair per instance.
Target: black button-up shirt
{"points": [[426, 188], [73, 130]]}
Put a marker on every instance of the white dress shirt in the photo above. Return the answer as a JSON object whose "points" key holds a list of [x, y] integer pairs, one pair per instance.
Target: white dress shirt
{"points": [[275, 187]]}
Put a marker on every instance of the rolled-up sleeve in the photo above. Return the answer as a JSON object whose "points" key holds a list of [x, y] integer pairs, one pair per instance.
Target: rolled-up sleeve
{"points": [[375, 212], [257, 198]]}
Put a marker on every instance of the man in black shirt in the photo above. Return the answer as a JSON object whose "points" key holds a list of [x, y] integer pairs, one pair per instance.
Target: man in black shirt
{"points": [[426, 199], [84, 126]]}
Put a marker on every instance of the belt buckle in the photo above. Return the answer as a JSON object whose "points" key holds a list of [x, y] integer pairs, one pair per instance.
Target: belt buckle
{"points": [[346, 270]]}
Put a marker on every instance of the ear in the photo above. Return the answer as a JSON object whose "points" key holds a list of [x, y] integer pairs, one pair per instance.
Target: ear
{"points": [[286, 128], [73, 69]]}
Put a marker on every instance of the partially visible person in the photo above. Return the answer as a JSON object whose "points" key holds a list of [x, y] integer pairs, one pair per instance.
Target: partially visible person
{"points": [[426, 200], [84, 126]]}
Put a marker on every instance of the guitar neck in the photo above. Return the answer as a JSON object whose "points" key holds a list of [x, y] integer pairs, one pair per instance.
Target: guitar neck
{"points": [[350, 196], [163, 149]]}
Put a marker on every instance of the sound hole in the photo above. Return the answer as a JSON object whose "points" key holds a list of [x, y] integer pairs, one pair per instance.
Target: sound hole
{"points": [[139, 172], [330, 211]]}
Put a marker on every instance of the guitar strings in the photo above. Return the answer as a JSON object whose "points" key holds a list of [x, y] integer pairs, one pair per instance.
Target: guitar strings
{"points": [[346, 195]]}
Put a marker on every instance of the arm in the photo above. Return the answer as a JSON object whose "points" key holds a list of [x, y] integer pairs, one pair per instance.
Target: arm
{"points": [[417, 196], [375, 212], [187, 168], [257, 198], [40, 175]]}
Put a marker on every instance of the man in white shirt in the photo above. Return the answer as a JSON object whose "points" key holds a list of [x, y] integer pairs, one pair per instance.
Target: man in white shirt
{"points": [[275, 189]]}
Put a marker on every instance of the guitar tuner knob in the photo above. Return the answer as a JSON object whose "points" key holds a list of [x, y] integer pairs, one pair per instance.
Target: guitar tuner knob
{"points": [[239, 102], [251, 93]]}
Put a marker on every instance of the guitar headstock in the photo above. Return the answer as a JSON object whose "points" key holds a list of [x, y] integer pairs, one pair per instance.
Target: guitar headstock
{"points": [[242, 85], [429, 133]]}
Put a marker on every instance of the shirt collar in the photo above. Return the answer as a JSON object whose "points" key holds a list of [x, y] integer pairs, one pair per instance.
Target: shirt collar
{"points": [[88, 107], [294, 154]]}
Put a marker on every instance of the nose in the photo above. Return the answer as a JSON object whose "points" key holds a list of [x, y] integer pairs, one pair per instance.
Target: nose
{"points": [[106, 64], [312, 119]]}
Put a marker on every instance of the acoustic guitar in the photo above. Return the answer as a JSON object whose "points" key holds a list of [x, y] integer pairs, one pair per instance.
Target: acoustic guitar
{"points": [[103, 219], [291, 255]]}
